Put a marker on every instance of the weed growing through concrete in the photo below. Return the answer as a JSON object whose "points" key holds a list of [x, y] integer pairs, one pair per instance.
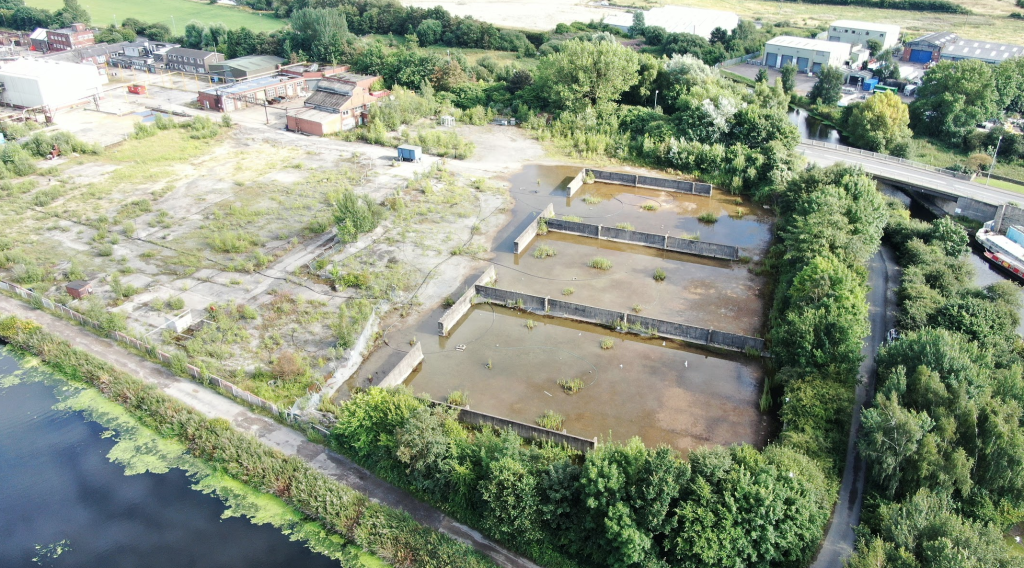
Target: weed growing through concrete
{"points": [[659, 275], [600, 263], [572, 218], [690, 236], [745, 259], [649, 207], [542, 226], [637, 308], [175, 303], [551, 420], [530, 324], [625, 226], [707, 217], [589, 177], [489, 365], [607, 343], [571, 386], [592, 200], [448, 302], [458, 398], [568, 291], [543, 251], [737, 214]]}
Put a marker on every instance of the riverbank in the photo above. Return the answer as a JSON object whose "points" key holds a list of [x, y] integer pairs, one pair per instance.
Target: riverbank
{"points": [[327, 487]]}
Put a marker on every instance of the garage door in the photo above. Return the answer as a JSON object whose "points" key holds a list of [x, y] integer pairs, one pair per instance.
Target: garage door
{"points": [[920, 55], [772, 59], [816, 68], [786, 60], [802, 63]]}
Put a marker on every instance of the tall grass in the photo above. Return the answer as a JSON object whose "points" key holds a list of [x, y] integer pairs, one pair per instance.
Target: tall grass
{"points": [[600, 263]]}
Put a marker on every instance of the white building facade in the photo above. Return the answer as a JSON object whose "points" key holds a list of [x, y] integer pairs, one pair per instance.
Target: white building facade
{"points": [[679, 19], [53, 84], [809, 55], [855, 32]]}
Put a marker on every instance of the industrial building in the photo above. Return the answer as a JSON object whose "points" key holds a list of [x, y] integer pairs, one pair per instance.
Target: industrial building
{"points": [[680, 19], [50, 84], [246, 67], [807, 54], [259, 91], [66, 39], [339, 103], [856, 32], [928, 47], [191, 60], [987, 51]]}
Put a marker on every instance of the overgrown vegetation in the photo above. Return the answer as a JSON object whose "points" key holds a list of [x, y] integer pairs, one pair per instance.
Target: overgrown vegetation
{"points": [[600, 263]]}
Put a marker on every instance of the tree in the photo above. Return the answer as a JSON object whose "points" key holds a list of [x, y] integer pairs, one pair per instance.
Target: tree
{"points": [[1009, 79], [429, 32], [829, 87], [320, 32], [655, 35], [953, 97], [892, 435], [762, 75], [71, 13], [194, 32], [887, 68], [874, 46], [637, 29], [25, 18], [587, 74], [880, 124], [355, 214], [719, 35], [519, 81], [949, 235], [788, 77], [510, 492]]}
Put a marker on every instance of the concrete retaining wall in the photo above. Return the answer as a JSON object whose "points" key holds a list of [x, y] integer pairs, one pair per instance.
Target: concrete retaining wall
{"points": [[1006, 216], [576, 182], [401, 371], [698, 248], [460, 307], [524, 238], [528, 431], [623, 320], [678, 186], [973, 209]]}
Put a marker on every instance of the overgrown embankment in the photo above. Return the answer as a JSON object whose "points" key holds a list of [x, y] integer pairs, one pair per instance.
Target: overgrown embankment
{"points": [[944, 442], [385, 532]]}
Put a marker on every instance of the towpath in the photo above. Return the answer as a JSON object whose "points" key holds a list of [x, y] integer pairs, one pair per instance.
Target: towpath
{"points": [[883, 278], [275, 435]]}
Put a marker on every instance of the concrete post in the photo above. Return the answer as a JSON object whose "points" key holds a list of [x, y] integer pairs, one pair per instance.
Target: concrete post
{"points": [[665, 246]]}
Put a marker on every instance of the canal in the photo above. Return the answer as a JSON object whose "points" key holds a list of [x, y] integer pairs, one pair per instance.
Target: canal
{"points": [[72, 496]]}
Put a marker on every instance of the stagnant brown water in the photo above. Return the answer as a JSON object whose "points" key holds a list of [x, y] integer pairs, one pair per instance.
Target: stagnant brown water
{"points": [[659, 390]]}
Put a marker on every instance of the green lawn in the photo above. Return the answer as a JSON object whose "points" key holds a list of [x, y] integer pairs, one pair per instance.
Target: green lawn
{"points": [[104, 12], [928, 152]]}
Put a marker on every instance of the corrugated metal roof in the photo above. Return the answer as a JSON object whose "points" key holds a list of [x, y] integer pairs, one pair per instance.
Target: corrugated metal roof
{"points": [[315, 115], [251, 85], [808, 43], [325, 99], [937, 39], [980, 49], [186, 52], [253, 62]]}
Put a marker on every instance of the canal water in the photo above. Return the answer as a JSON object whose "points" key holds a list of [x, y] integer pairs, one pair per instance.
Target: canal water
{"points": [[663, 391], [813, 129], [65, 503]]}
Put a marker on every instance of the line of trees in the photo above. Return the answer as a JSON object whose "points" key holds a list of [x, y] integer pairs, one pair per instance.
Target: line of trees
{"points": [[944, 441]]}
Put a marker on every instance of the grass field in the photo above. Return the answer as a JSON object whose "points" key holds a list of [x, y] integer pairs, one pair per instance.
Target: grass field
{"points": [[105, 12], [990, 19], [928, 152]]}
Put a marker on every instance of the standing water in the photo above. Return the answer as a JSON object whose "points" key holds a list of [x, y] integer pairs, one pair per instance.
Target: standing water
{"points": [[65, 501], [813, 129]]}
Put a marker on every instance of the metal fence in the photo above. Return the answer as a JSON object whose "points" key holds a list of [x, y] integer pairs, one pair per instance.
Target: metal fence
{"points": [[888, 158], [142, 346], [738, 60]]}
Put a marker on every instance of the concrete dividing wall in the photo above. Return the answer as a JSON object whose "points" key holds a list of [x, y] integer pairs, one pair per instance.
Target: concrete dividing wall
{"points": [[631, 322], [678, 186], [698, 248], [701, 248], [972, 209], [529, 232], [1007, 216], [406, 366], [460, 307], [576, 182], [528, 431]]}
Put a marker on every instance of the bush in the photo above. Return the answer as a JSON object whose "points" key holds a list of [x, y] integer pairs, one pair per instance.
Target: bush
{"points": [[659, 275], [707, 217], [600, 263], [607, 343], [458, 398], [289, 367], [175, 303], [571, 386]]}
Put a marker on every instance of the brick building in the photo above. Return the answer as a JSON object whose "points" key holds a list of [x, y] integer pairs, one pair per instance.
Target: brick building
{"points": [[263, 90], [73, 37], [339, 103]]}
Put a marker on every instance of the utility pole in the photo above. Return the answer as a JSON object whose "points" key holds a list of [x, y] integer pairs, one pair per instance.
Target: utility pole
{"points": [[655, 99], [995, 155]]}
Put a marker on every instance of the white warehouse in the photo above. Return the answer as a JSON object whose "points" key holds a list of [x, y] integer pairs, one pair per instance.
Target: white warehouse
{"points": [[680, 20], [53, 84], [856, 32], [806, 54]]}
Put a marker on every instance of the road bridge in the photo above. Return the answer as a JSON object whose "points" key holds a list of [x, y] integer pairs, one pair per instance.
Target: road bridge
{"points": [[954, 192]]}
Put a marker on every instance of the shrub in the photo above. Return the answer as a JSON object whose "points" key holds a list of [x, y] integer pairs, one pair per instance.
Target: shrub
{"points": [[607, 343], [659, 275], [550, 420], [458, 398], [288, 367], [571, 386], [106, 249], [600, 263], [234, 241], [707, 217], [543, 251], [175, 303]]}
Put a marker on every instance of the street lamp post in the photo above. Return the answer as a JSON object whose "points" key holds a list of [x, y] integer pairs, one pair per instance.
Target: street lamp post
{"points": [[995, 156], [655, 99]]}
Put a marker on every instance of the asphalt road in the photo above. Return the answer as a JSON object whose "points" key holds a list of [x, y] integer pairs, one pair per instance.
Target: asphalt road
{"points": [[883, 278], [909, 174]]}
